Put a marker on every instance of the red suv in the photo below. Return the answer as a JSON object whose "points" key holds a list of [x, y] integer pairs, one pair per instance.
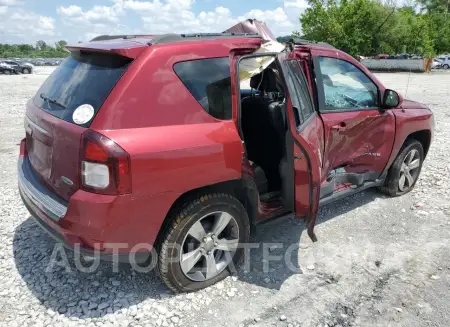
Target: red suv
{"points": [[156, 140]]}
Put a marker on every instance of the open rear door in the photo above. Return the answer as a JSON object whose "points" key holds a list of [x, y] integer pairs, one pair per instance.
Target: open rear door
{"points": [[304, 141]]}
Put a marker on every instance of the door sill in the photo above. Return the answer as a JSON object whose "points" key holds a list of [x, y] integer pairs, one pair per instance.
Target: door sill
{"points": [[278, 216], [349, 191]]}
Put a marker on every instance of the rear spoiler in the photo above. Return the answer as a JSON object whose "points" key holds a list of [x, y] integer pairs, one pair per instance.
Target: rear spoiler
{"points": [[130, 48]]}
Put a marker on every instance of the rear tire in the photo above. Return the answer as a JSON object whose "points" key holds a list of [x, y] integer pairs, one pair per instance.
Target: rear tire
{"points": [[26, 71], [7, 72], [445, 66], [196, 232], [405, 170]]}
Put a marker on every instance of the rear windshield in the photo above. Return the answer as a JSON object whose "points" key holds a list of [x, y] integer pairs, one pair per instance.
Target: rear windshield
{"points": [[83, 78]]}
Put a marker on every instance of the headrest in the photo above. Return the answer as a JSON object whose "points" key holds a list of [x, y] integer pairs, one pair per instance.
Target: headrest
{"points": [[265, 81]]}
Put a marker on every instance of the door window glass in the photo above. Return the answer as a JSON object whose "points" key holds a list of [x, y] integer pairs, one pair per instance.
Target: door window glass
{"points": [[299, 91], [209, 82], [346, 86]]}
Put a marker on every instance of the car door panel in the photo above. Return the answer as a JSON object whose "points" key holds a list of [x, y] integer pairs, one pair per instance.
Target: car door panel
{"points": [[358, 134], [359, 140], [307, 160], [304, 140]]}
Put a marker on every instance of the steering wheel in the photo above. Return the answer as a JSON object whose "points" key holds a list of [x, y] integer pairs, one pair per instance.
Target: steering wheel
{"points": [[341, 100], [352, 101]]}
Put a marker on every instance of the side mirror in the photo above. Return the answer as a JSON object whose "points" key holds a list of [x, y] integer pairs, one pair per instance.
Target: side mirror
{"points": [[391, 99]]}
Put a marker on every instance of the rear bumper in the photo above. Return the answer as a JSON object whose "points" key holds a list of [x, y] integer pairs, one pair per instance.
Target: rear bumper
{"points": [[118, 228], [37, 194], [140, 257]]}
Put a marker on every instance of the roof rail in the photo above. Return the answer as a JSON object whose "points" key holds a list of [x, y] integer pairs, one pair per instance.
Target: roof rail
{"points": [[168, 38], [300, 41], [111, 37], [224, 34]]}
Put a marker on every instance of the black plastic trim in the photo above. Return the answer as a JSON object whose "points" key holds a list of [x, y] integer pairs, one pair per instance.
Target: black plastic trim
{"points": [[300, 41], [319, 84], [138, 257], [347, 192], [37, 194]]}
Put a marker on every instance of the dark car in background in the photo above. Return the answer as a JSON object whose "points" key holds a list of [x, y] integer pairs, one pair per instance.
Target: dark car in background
{"points": [[6, 69], [19, 67]]}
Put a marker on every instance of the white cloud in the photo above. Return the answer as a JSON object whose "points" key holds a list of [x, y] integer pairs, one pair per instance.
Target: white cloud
{"points": [[273, 18], [294, 9], [75, 23], [71, 11], [8, 2], [25, 26], [97, 15], [177, 16]]}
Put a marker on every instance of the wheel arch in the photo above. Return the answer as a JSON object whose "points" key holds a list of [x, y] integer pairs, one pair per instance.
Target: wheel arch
{"points": [[243, 189], [424, 137]]}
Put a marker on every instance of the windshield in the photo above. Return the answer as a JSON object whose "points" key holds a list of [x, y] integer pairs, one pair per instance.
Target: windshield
{"points": [[83, 78]]}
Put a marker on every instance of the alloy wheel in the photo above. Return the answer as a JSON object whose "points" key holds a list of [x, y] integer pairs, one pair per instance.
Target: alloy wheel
{"points": [[209, 246], [409, 170]]}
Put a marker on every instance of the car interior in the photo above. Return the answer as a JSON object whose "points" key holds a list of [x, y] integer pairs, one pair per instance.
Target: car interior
{"points": [[264, 131]]}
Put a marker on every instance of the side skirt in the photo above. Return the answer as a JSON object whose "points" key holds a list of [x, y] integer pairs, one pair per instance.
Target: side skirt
{"points": [[279, 216], [350, 191]]}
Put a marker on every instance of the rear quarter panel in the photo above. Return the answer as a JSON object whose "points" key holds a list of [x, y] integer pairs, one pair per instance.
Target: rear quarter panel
{"points": [[182, 157]]}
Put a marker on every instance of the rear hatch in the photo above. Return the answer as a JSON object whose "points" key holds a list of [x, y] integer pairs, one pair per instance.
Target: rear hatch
{"points": [[53, 139]]}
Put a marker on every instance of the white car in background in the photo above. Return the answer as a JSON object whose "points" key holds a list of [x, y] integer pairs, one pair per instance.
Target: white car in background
{"points": [[437, 64], [445, 61]]}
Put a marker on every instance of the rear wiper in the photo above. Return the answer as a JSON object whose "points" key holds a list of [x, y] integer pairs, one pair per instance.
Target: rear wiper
{"points": [[49, 100]]}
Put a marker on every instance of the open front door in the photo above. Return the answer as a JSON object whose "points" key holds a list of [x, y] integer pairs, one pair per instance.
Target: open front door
{"points": [[304, 141]]}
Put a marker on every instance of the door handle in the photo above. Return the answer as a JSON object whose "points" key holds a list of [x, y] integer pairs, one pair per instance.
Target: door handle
{"points": [[341, 125]]}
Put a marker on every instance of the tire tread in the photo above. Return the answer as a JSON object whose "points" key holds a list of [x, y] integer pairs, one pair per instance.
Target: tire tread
{"points": [[390, 186], [177, 218]]}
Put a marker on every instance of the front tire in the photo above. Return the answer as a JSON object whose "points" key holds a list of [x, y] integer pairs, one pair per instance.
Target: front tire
{"points": [[405, 169], [26, 71], [202, 243]]}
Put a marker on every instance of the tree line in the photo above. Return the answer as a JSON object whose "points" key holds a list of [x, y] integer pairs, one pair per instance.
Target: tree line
{"points": [[40, 50], [370, 27]]}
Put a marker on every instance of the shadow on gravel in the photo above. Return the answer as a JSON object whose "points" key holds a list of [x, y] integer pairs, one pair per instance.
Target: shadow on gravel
{"points": [[87, 295], [287, 233], [74, 293]]}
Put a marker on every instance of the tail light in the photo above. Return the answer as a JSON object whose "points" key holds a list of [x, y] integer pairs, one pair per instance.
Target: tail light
{"points": [[23, 148], [105, 166]]}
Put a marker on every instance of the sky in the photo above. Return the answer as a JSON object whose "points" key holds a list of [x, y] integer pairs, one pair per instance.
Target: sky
{"points": [[26, 21]]}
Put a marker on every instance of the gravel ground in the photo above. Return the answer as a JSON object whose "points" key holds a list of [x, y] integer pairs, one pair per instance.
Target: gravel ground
{"points": [[379, 261]]}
